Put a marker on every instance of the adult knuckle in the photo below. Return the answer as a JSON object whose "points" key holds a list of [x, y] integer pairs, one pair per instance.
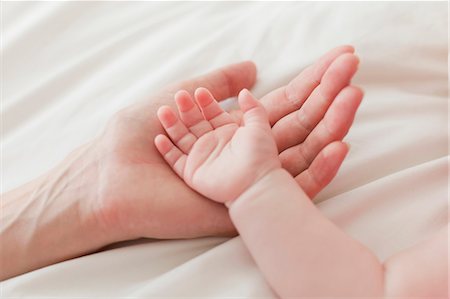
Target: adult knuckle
{"points": [[303, 122]]}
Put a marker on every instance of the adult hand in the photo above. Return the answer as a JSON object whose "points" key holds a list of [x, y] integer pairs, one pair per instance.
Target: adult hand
{"points": [[141, 196], [118, 187]]}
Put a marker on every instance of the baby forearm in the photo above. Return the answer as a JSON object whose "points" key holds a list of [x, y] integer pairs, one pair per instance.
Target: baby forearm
{"points": [[302, 253]]}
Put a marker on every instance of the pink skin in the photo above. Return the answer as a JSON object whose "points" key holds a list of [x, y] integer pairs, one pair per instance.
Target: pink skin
{"points": [[293, 128], [301, 253], [162, 206], [206, 141], [90, 190]]}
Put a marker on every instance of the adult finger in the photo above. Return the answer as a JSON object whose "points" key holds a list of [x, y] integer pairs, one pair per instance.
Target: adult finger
{"points": [[286, 99], [296, 126], [223, 83], [323, 169], [333, 127]]}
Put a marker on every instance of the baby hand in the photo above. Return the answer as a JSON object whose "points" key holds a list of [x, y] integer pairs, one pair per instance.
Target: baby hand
{"points": [[211, 152]]}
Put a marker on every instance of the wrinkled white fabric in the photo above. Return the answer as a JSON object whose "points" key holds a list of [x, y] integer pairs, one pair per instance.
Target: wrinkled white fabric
{"points": [[67, 67]]}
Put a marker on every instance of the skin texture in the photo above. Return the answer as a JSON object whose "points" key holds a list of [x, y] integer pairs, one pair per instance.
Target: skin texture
{"points": [[171, 200], [300, 252], [118, 187], [199, 148]]}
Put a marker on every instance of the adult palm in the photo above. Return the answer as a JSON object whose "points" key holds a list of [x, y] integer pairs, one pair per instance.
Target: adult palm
{"points": [[141, 196]]}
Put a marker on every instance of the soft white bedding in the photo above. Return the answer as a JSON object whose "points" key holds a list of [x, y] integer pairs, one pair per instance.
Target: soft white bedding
{"points": [[67, 67]]}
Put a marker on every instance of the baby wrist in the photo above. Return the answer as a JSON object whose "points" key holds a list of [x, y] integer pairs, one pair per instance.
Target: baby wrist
{"points": [[266, 184]]}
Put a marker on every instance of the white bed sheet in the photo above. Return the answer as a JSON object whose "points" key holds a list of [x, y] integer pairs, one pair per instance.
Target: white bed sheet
{"points": [[67, 67]]}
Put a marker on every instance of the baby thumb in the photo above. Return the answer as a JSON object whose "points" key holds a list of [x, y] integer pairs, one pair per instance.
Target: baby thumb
{"points": [[254, 112]]}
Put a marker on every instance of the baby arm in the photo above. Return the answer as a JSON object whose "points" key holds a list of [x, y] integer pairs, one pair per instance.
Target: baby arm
{"points": [[303, 254], [300, 252]]}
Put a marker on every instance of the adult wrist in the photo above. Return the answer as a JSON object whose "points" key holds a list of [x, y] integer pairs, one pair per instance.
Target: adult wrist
{"points": [[52, 218], [85, 180]]}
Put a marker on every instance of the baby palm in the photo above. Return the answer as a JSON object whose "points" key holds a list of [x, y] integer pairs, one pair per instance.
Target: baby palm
{"points": [[213, 154]]}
